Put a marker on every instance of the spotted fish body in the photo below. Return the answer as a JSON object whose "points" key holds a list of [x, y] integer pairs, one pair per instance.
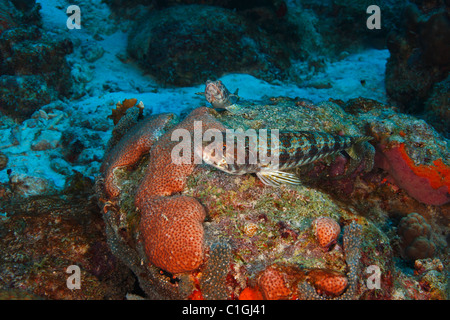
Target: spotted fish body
{"points": [[295, 149], [218, 95]]}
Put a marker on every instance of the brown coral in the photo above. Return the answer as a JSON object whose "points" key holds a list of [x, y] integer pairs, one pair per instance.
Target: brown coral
{"points": [[326, 231], [415, 234]]}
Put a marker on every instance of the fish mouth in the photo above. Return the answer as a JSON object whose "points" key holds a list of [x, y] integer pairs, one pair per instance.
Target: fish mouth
{"points": [[217, 160]]}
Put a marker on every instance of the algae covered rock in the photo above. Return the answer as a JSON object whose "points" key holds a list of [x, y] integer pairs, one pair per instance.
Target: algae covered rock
{"points": [[415, 237], [44, 236], [33, 68], [258, 240], [419, 62], [199, 37]]}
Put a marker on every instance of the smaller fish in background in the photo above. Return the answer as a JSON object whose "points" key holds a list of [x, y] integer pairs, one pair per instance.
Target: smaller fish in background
{"points": [[218, 95]]}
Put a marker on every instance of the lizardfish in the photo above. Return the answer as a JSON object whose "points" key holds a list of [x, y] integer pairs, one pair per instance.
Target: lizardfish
{"points": [[294, 149]]}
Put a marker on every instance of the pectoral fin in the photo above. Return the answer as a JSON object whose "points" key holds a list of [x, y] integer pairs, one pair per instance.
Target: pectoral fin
{"points": [[276, 178], [353, 151]]}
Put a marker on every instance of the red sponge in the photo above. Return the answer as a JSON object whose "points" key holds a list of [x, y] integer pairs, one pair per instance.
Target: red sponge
{"points": [[429, 184]]}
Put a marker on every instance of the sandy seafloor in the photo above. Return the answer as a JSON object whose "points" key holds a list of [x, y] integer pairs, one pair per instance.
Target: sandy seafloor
{"points": [[87, 116]]}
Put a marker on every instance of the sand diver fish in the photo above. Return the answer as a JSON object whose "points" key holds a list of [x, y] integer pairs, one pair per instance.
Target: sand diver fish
{"points": [[295, 149], [218, 95]]}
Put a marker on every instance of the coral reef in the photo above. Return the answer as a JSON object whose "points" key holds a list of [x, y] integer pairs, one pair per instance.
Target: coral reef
{"points": [[419, 63], [415, 234], [272, 285], [33, 68], [172, 231], [164, 178], [432, 277], [332, 284], [171, 226], [429, 184], [412, 152], [371, 222], [26, 185], [131, 148], [213, 279], [317, 25], [222, 236], [184, 59], [328, 283], [42, 236]]}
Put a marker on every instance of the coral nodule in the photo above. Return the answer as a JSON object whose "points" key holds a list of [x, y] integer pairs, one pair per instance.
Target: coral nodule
{"points": [[326, 231], [171, 225], [172, 231], [328, 282]]}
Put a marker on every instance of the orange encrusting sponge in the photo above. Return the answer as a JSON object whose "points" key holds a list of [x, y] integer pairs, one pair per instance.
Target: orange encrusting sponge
{"points": [[438, 173], [250, 294]]}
